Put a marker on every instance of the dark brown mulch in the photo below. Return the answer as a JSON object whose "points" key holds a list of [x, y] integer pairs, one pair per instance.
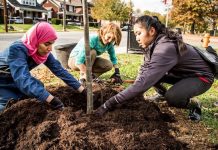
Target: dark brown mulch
{"points": [[138, 124]]}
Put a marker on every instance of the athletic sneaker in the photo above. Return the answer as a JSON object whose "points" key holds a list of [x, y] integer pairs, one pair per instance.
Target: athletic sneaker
{"points": [[194, 109]]}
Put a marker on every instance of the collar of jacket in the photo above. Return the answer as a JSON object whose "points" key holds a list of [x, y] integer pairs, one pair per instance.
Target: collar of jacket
{"points": [[153, 43]]}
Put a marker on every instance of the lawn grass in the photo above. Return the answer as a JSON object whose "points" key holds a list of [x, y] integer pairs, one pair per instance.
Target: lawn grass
{"points": [[25, 27]]}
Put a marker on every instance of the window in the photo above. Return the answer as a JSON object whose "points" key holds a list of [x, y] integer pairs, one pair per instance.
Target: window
{"points": [[70, 8]]}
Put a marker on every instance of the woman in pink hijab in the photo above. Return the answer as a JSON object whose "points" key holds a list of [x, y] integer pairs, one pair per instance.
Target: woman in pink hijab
{"points": [[21, 57]]}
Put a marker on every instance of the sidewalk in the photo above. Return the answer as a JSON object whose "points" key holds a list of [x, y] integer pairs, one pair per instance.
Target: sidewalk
{"points": [[194, 40], [121, 50]]}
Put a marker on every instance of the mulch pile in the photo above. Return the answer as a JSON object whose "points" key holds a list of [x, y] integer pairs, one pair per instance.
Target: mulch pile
{"points": [[138, 124]]}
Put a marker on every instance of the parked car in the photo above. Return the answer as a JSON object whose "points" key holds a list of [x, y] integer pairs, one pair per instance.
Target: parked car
{"points": [[74, 23], [18, 20], [15, 20], [126, 28]]}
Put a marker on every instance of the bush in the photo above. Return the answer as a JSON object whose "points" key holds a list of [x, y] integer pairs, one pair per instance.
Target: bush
{"points": [[1, 20], [93, 24], [28, 20], [56, 21]]}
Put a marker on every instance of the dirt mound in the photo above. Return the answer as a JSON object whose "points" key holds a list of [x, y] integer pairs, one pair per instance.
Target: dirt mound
{"points": [[139, 124]]}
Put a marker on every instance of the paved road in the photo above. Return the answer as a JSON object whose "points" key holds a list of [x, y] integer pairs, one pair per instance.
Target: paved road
{"points": [[69, 37], [63, 38]]}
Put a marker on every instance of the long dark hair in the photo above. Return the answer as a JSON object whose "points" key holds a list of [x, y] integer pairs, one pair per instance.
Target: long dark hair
{"points": [[153, 21]]}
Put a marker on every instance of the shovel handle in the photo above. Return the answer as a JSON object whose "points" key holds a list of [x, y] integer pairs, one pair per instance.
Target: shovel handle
{"points": [[128, 81], [124, 81]]}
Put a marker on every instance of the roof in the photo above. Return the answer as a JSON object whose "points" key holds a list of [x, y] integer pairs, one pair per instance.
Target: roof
{"points": [[73, 2], [48, 8], [37, 8], [76, 3]]}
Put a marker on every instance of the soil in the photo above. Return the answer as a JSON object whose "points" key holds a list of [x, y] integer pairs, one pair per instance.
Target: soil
{"points": [[138, 124]]}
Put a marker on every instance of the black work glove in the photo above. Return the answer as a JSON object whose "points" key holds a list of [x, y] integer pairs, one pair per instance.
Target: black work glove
{"points": [[56, 104], [116, 76], [107, 106], [84, 93]]}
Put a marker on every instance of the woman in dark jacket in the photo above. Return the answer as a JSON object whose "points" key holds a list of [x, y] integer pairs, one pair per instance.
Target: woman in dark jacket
{"points": [[24, 55], [166, 60]]}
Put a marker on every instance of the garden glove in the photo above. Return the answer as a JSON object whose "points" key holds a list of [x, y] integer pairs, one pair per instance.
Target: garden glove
{"points": [[84, 93], [56, 104], [116, 76], [107, 106], [82, 78]]}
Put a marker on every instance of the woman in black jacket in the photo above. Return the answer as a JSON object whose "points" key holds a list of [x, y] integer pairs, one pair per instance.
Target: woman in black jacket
{"points": [[167, 59]]}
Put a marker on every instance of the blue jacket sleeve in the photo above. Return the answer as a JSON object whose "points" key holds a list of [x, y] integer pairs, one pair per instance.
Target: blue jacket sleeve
{"points": [[56, 68], [112, 55], [20, 72]]}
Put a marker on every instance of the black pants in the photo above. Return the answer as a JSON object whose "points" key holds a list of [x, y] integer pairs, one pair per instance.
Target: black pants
{"points": [[182, 90]]}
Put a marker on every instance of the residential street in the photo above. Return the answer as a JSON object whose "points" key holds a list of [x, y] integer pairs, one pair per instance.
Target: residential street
{"points": [[63, 38], [69, 37]]}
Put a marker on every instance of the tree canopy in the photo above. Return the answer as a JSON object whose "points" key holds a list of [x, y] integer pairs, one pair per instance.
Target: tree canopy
{"points": [[160, 17], [197, 13], [110, 10]]}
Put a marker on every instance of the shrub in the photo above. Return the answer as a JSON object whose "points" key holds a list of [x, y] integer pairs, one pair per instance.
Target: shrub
{"points": [[56, 21]]}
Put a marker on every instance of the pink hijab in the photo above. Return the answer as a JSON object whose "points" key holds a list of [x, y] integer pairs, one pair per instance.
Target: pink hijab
{"points": [[40, 33]]}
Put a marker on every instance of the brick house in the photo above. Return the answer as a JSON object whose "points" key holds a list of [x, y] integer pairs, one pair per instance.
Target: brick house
{"points": [[74, 11], [28, 10]]}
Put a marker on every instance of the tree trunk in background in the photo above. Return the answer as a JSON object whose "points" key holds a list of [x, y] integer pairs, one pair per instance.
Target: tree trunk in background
{"points": [[5, 16], [193, 28]]}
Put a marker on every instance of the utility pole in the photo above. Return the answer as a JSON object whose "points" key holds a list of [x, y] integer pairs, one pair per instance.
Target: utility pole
{"points": [[168, 4], [88, 58], [64, 15], [5, 16], [167, 16]]}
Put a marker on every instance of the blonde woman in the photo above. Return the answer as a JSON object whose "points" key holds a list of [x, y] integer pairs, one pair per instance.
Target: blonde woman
{"points": [[108, 36]]}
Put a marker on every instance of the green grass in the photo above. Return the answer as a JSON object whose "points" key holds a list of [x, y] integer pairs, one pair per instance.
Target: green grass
{"points": [[25, 27], [207, 99]]}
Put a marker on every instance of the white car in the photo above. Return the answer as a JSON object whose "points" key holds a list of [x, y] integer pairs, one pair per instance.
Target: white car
{"points": [[16, 20]]}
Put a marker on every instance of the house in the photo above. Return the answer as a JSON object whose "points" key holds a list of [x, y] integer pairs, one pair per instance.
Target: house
{"points": [[27, 10], [74, 11]]}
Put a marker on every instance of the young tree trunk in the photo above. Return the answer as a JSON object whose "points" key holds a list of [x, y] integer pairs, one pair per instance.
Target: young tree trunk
{"points": [[88, 58]]}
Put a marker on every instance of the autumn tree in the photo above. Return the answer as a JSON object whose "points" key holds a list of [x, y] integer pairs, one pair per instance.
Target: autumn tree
{"points": [[110, 10], [160, 17], [213, 13], [194, 13]]}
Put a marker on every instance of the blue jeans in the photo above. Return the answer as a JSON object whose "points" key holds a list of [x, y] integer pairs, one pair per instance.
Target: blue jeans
{"points": [[8, 91]]}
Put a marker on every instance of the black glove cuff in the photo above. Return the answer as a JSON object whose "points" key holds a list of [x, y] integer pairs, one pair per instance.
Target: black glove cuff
{"points": [[111, 103], [84, 92], [117, 71], [56, 103]]}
